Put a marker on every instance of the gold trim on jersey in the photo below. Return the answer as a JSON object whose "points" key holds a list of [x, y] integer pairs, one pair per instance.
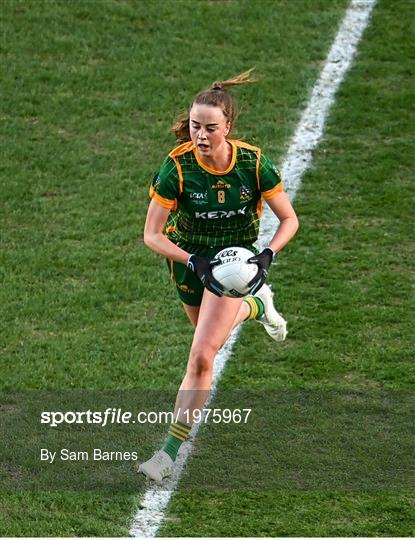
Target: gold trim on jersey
{"points": [[272, 192], [258, 162], [190, 147], [213, 171], [257, 150], [259, 208], [165, 203], [244, 144], [174, 154], [180, 173], [182, 149]]}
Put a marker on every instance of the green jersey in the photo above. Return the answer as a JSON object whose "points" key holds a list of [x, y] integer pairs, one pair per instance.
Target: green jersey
{"points": [[212, 208]]}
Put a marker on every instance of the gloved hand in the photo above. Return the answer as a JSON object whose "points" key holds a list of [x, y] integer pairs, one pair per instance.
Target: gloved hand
{"points": [[263, 260], [202, 267]]}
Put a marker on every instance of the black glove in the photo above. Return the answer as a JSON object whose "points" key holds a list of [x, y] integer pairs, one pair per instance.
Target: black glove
{"points": [[202, 267], [263, 260]]}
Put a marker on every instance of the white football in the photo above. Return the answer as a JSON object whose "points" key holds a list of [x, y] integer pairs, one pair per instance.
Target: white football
{"points": [[233, 272]]}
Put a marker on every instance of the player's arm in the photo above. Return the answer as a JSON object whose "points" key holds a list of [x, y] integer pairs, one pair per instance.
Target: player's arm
{"points": [[282, 208], [272, 191], [154, 236], [155, 239]]}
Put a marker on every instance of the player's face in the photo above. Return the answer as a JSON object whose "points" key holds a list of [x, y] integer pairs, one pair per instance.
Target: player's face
{"points": [[208, 129]]}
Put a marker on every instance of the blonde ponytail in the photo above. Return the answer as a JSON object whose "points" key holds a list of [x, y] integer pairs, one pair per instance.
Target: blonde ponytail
{"points": [[242, 78], [216, 96]]}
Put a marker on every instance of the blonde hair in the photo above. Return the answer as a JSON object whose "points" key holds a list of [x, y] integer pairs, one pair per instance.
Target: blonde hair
{"points": [[216, 96]]}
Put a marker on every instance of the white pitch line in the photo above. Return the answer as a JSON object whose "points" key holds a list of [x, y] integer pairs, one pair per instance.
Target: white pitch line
{"points": [[150, 514]]}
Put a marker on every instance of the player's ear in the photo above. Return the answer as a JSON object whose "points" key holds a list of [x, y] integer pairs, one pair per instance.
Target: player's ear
{"points": [[228, 128]]}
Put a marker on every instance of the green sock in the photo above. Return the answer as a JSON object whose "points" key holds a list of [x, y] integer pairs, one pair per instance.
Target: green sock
{"points": [[178, 433], [256, 307]]}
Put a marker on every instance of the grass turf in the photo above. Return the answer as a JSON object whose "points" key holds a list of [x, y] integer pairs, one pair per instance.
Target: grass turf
{"points": [[344, 284], [88, 97]]}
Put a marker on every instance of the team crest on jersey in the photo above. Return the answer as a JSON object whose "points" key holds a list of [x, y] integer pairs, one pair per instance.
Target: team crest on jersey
{"points": [[156, 182], [245, 193], [220, 184]]}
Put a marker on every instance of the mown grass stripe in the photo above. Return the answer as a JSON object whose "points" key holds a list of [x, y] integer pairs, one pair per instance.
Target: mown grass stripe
{"points": [[149, 516]]}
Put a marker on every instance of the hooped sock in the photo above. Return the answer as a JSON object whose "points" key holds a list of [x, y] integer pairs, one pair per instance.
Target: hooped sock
{"points": [[256, 307], [178, 433]]}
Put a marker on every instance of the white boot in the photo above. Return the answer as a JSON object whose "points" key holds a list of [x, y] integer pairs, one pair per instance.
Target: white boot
{"points": [[157, 467], [274, 323]]}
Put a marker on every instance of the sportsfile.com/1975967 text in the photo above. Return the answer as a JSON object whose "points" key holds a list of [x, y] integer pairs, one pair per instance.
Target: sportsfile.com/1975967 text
{"points": [[113, 415]]}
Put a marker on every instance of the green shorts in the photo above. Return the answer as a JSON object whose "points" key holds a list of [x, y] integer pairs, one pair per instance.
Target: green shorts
{"points": [[189, 287]]}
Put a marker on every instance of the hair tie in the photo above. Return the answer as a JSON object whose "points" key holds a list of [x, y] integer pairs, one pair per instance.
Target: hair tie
{"points": [[217, 86]]}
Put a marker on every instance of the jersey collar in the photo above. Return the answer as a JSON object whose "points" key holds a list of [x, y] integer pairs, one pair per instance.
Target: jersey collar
{"points": [[213, 171]]}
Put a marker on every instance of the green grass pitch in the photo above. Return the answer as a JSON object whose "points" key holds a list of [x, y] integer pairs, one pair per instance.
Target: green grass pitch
{"points": [[89, 91]]}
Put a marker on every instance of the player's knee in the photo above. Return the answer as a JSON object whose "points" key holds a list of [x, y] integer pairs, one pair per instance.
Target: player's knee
{"points": [[201, 359]]}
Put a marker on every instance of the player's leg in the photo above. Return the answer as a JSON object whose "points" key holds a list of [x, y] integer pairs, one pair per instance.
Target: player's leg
{"points": [[243, 314], [215, 321], [189, 288], [192, 312], [261, 309], [246, 311]]}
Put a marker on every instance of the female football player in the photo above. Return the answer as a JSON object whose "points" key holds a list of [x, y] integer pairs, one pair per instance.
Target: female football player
{"points": [[208, 196]]}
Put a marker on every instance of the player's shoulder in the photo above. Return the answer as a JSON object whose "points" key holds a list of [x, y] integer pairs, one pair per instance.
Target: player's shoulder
{"points": [[181, 149], [245, 146], [168, 168], [172, 160], [251, 149], [248, 156]]}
